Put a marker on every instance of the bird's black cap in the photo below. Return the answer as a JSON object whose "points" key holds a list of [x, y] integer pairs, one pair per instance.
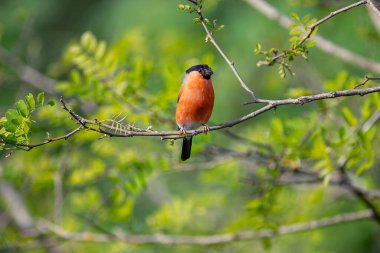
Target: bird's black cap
{"points": [[204, 69]]}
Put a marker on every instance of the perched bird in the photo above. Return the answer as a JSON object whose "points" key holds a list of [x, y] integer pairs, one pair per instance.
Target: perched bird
{"points": [[195, 103]]}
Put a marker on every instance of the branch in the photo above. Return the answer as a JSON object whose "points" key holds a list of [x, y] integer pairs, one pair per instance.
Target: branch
{"points": [[367, 79], [28, 147], [332, 14], [358, 192], [16, 208], [271, 104], [26, 73], [325, 45], [21, 216], [163, 239], [375, 5], [362, 194], [213, 41], [130, 131]]}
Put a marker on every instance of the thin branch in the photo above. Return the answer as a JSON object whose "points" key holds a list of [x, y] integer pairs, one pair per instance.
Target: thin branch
{"points": [[213, 41], [162, 239], [361, 194], [16, 208], [26, 73], [375, 5], [194, 2], [367, 79], [312, 177], [312, 27], [28, 147], [21, 216], [327, 46]]}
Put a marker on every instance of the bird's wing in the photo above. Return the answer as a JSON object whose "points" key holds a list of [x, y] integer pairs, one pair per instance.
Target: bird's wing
{"points": [[180, 91]]}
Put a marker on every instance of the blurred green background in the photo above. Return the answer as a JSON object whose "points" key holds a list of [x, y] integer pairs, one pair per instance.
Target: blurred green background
{"points": [[137, 185]]}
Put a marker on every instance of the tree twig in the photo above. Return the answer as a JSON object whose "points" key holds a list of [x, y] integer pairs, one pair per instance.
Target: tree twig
{"points": [[358, 192], [26, 73], [162, 239], [312, 27], [361, 194], [230, 63], [366, 80], [327, 46], [28, 147]]}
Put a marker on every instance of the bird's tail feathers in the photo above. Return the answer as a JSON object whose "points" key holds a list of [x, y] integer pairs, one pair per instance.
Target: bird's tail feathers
{"points": [[186, 148]]}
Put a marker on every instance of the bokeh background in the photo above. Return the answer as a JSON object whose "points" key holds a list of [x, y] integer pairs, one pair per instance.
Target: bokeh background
{"points": [[137, 185]]}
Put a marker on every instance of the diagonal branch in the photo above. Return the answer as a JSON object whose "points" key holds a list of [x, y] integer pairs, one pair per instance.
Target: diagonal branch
{"points": [[358, 192], [26, 73], [213, 41], [325, 45], [46, 227], [312, 27], [362, 194]]}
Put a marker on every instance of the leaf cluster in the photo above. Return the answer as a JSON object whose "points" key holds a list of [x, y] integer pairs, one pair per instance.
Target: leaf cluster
{"points": [[300, 43], [16, 123]]}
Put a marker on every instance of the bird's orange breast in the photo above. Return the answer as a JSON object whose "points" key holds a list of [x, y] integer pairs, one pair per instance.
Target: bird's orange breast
{"points": [[195, 101]]}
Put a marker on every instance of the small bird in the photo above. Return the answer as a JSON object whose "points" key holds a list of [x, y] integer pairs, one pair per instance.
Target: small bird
{"points": [[195, 103]]}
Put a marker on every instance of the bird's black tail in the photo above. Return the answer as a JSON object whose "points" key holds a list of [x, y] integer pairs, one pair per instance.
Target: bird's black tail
{"points": [[186, 148]]}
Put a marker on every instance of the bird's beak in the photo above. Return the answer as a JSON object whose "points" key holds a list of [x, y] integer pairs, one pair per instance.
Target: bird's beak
{"points": [[208, 72]]}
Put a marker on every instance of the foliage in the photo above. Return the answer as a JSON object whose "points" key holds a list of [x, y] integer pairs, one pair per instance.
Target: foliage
{"points": [[248, 178], [15, 125], [298, 45]]}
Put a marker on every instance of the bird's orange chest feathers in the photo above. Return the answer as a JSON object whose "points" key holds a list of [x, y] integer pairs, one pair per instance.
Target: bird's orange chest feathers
{"points": [[195, 100]]}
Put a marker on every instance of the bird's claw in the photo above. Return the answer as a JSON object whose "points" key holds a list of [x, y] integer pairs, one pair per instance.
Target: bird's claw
{"points": [[206, 129], [182, 131]]}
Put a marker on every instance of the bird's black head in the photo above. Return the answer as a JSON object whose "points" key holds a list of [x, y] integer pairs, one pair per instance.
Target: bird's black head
{"points": [[204, 69]]}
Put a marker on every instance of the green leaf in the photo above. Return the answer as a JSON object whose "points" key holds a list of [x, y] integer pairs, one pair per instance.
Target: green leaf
{"points": [[22, 108], [295, 16], [100, 49], [258, 48], [267, 243], [311, 44], [295, 31], [3, 120], [349, 117], [220, 27], [9, 137], [293, 26], [41, 98], [75, 77], [88, 41], [51, 102], [12, 114], [305, 18], [312, 21], [196, 21], [342, 133], [30, 100]]}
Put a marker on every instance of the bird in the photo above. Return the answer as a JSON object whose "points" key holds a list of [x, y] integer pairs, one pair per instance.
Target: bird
{"points": [[195, 104]]}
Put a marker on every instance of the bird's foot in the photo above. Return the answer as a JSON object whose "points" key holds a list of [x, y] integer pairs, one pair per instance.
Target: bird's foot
{"points": [[206, 129], [182, 131]]}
